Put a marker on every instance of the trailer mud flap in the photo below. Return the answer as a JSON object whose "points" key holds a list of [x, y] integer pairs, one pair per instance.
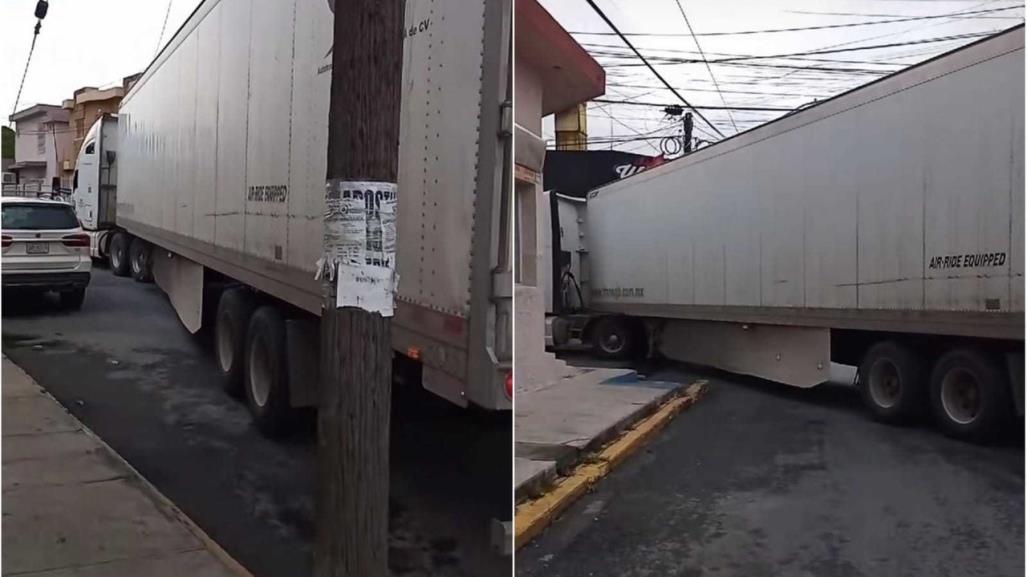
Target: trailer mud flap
{"points": [[797, 356], [182, 280]]}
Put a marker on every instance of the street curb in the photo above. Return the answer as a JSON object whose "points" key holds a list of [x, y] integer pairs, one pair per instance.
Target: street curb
{"points": [[154, 493], [209, 543], [533, 516]]}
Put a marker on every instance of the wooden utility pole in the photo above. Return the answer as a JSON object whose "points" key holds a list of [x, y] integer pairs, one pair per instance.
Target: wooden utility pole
{"points": [[356, 351]]}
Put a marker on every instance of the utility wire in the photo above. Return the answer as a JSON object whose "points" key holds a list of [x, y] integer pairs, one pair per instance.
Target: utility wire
{"points": [[872, 47], [32, 48], [807, 28], [698, 107], [796, 67], [892, 34], [613, 48], [743, 58], [160, 39], [681, 7], [745, 92], [650, 66]]}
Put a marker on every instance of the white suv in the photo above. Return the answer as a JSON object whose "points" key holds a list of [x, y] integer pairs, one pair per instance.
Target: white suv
{"points": [[44, 249]]}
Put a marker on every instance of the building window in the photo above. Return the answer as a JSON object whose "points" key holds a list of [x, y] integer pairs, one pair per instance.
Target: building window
{"points": [[41, 141]]}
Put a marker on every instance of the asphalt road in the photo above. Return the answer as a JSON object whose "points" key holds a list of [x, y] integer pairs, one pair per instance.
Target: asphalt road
{"points": [[127, 368], [760, 479]]}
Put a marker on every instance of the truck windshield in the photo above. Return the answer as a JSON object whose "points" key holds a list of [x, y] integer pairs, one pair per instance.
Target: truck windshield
{"points": [[29, 216]]}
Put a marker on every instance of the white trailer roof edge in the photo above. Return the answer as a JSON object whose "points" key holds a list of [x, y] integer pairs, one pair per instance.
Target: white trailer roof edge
{"points": [[820, 110], [191, 21]]}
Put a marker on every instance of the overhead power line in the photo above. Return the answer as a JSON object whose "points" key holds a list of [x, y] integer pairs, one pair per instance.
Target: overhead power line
{"points": [[808, 28], [797, 67], [919, 51], [598, 48], [743, 58], [745, 92], [650, 66], [681, 7], [872, 47], [160, 39], [696, 108], [40, 13]]}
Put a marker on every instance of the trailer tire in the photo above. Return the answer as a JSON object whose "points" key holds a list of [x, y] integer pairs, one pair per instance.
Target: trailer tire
{"points": [[140, 256], [971, 395], [235, 306], [119, 254], [893, 382], [267, 374], [613, 337]]}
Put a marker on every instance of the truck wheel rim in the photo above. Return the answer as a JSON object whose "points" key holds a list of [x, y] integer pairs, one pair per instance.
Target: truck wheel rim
{"points": [[884, 383], [260, 372], [115, 259], [226, 350], [961, 396], [612, 343], [136, 265]]}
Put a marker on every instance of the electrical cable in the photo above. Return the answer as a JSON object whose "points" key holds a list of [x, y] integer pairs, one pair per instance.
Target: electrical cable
{"points": [[897, 33], [698, 47], [742, 58], [650, 66], [32, 48], [742, 108], [160, 39], [890, 20]]}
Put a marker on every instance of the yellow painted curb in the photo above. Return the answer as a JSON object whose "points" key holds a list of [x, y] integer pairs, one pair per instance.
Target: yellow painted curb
{"points": [[535, 515]]}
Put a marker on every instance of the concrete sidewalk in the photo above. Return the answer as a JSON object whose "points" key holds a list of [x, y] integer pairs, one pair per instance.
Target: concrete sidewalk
{"points": [[73, 507], [559, 423]]}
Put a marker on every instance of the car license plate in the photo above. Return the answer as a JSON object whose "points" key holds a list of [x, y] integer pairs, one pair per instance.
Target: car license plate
{"points": [[37, 247]]}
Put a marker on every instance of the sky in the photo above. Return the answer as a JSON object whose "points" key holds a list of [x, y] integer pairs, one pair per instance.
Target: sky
{"points": [[643, 129], [81, 43]]}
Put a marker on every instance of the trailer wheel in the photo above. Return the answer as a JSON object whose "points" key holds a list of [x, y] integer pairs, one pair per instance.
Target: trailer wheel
{"points": [[266, 372], [119, 254], [612, 338], [970, 395], [140, 253], [893, 382], [231, 321]]}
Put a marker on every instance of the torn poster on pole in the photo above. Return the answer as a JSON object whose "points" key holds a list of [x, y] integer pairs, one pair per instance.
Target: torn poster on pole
{"points": [[360, 244]]}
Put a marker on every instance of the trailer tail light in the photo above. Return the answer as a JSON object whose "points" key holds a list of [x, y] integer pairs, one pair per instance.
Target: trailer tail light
{"points": [[76, 240], [414, 353], [509, 386], [7, 241]]}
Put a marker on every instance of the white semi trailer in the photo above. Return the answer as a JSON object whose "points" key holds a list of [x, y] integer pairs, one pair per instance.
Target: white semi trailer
{"points": [[882, 228], [213, 184]]}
